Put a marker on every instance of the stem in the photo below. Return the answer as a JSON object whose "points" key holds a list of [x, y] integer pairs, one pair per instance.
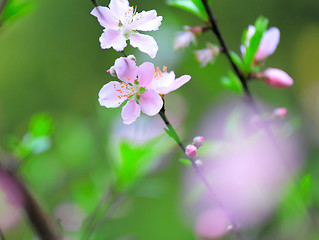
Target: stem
{"points": [[105, 202], [95, 3], [201, 176], [2, 235], [41, 223], [2, 6]]}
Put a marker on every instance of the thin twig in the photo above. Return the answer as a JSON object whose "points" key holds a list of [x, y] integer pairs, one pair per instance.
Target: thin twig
{"points": [[2, 5], [202, 177], [39, 220], [2, 235]]}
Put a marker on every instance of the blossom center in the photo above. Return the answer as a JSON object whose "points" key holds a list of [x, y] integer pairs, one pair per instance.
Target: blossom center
{"points": [[158, 73], [127, 26], [129, 91]]}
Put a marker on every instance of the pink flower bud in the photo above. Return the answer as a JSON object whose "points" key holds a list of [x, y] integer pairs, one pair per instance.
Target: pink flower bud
{"points": [[132, 57], [277, 78], [191, 151], [280, 112], [112, 71], [198, 141]]}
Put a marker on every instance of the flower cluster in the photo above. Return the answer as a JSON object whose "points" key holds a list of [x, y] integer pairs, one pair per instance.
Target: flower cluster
{"points": [[191, 149], [268, 44], [141, 87]]}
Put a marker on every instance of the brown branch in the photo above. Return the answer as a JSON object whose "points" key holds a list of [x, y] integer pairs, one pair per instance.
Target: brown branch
{"points": [[42, 224]]}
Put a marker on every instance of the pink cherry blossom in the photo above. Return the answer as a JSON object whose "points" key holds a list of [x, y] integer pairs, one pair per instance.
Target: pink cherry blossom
{"points": [[267, 45], [277, 78], [206, 55], [135, 88], [184, 38], [280, 112], [191, 151], [198, 141], [122, 22], [165, 82]]}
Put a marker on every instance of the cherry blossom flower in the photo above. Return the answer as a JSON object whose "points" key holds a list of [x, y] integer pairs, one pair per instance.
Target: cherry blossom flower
{"points": [[191, 151], [280, 112], [268, 43], [165, 82], [135, 88], [122, 22], [198, 141], [277, 78], [206, 55], [186, 37]]}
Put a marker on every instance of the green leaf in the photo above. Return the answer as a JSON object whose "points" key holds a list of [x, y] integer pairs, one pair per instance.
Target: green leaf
{"points": [[15, 9], [233, 83], [305, 185], [261, 26], [195, 7], [41, 125], [237, 60], [185, 161], [171, 132]]}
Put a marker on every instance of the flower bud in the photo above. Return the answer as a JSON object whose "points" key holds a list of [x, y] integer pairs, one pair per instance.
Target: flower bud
{"points": [[198, 141], [132, 57], [191, 151], [277, 78], [112, 71], [280, 112]]}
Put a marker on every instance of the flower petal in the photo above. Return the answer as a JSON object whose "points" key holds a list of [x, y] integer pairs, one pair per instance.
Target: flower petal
{"points": [[118, 8], [277, 78], [268, 43], [105, 17], [147, 21], [145, 74], [177, 83], [109, 96], [130, 112], [151, 103], [125, 69], [144, 43], [112, 38]]}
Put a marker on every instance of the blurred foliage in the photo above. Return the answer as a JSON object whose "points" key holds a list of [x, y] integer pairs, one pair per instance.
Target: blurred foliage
{"points": [[195, 7], [15, 9]]}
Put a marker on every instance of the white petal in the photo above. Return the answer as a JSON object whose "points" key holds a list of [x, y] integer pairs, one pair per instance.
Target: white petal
{"points": [[105, 17], [118, 8], [130, 112], [151, 103], [147, 21], [268, 43], [144, 43], [109, 96], [112, 38]]}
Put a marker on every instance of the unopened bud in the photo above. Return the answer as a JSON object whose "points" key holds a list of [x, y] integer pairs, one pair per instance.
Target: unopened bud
{"points": [[280, 112], [198, 141], [132, 57], [277, 78], [191, 151], [112, 71]]}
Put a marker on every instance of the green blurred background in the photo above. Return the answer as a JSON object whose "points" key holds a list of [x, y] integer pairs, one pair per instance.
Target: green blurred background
{"points": [[51, 61]]}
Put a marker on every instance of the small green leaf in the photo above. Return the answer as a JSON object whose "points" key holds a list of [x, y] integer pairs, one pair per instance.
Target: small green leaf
{"points": [[260, 26], [305, 185], [170, 132], [41, 125], [185, 161], [17, 8], [233, 83], [237, 60], [195, 7]]}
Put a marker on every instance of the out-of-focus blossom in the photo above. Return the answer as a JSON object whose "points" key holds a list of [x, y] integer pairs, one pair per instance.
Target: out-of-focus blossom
{"points": [[247, 174], [206, 55], [198, 141], [277, 78], [191, 151], [280, 112], [112, 71], [268, 43], [122, 22], [134, 87], [199, 162], [186, 37], [165, 82], [70, 216]]}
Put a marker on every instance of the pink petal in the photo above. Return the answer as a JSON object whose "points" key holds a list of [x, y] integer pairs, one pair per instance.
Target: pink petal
{"points": [[268, 43], [183, 39], [112, 38], [109, 97], [243, 50], [251, 31], [147, 21], [105, 17], [118, 8], [277, 78], [145, 74], [130, 112], [151, 103], [174, 85], [144, 43], [126, 69]]}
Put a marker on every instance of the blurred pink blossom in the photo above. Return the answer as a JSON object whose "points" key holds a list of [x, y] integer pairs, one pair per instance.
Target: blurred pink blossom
{"points": [[198, 141], [191, 151], [206, 55], [122, 22], [267, 45], [277, 78], [184, 38], [280, 112]]}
